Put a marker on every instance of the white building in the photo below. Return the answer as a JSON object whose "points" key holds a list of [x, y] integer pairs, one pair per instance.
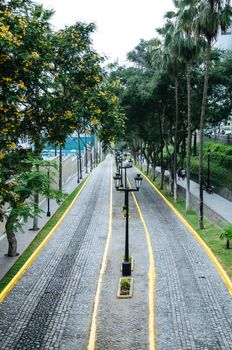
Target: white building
{"points": [[224, 40]]}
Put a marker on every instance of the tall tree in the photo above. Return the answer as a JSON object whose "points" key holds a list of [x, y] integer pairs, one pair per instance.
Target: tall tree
{"points": [[210, 16], [173, 64], [188, 46]]}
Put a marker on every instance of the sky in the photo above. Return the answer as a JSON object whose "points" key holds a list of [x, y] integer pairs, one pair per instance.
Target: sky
{"points": [[120, 24]]}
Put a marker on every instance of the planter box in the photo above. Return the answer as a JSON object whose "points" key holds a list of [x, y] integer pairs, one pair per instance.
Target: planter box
{"points": [[130, 291]]}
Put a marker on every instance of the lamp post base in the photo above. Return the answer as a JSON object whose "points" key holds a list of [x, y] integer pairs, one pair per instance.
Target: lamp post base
{"points": [[126, 268]]}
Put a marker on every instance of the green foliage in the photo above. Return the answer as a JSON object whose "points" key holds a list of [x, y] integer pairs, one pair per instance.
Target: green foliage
{"points": [[19, 184], [125, 283], [227, 235], [220, 165], [52, 84]]}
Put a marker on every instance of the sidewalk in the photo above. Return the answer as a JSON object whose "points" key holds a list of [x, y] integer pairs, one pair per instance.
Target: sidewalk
{"points": [[213, 203], [26, 237], [216, 203]]}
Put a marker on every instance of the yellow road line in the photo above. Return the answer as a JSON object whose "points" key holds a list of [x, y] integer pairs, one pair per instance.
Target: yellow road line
{"points": [[20, 273], [151, 276], [92, 336], [213, 258]]}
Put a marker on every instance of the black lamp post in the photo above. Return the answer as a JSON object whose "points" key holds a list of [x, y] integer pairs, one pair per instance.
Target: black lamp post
{"points": [[120, 160], [208, 174], [48, 174], [126, 264], [117, 156]]}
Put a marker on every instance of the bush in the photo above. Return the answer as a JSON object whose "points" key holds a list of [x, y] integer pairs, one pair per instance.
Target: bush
{"points": [[220, 165]]}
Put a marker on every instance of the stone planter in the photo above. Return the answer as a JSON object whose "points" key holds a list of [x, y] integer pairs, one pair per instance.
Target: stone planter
{"points": [[125, 288]]}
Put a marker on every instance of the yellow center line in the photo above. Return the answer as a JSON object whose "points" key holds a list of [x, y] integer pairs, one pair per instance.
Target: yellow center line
{"points": [[23, 269], [151, 277], [92, 336], [213, 258]]}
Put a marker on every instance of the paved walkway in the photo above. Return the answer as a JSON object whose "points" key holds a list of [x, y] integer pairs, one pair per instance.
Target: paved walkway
{"points": [[218, 204], [51, 306]]}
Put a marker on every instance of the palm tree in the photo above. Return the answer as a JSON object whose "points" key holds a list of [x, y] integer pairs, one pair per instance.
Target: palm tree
{"points": [[188, 46], [173, 65], [210, 15]]}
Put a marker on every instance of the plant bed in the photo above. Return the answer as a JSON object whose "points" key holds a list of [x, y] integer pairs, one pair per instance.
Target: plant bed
{"points": [[131, 259], [125, 288]]}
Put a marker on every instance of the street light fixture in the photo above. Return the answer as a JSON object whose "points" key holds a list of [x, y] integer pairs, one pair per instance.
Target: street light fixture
{"points": [[126, 264], [117, 180], [138, 181]]}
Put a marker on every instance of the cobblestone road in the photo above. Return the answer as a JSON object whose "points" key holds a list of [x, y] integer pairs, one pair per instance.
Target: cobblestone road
{"points": [[51, 306], [193, 305]]}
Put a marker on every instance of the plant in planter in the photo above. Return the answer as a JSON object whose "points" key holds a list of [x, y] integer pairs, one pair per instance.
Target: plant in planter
{"points": [[227, 234], [125, 287]]}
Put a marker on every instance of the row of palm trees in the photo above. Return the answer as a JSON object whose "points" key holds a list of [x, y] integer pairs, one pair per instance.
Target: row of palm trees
{"points": [[190, 29]]}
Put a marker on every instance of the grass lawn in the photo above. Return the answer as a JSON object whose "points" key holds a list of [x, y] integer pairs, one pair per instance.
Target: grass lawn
{"points": [[40, 237]]}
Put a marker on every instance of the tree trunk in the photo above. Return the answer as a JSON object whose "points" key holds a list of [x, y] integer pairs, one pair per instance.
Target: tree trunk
{"points": [[148, 166], [86, 156], [79, 155], [228, 244], [187, 203], [36, 207], [78, 168], [171, 175], [60, 169], [154, 167], [203, 108], [94, 152], [175, 141], [195, 144], [161, 153], [12, 242], [12, 247]]}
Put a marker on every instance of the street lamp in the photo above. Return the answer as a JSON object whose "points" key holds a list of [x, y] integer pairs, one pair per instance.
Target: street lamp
{"points": [[126, 264]]}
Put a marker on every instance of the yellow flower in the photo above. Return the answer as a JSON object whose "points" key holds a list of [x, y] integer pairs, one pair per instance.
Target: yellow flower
{"points": [[2, 154], [35, 55], [95, 121], [68, 114], [21, 85], [7, 79]]}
